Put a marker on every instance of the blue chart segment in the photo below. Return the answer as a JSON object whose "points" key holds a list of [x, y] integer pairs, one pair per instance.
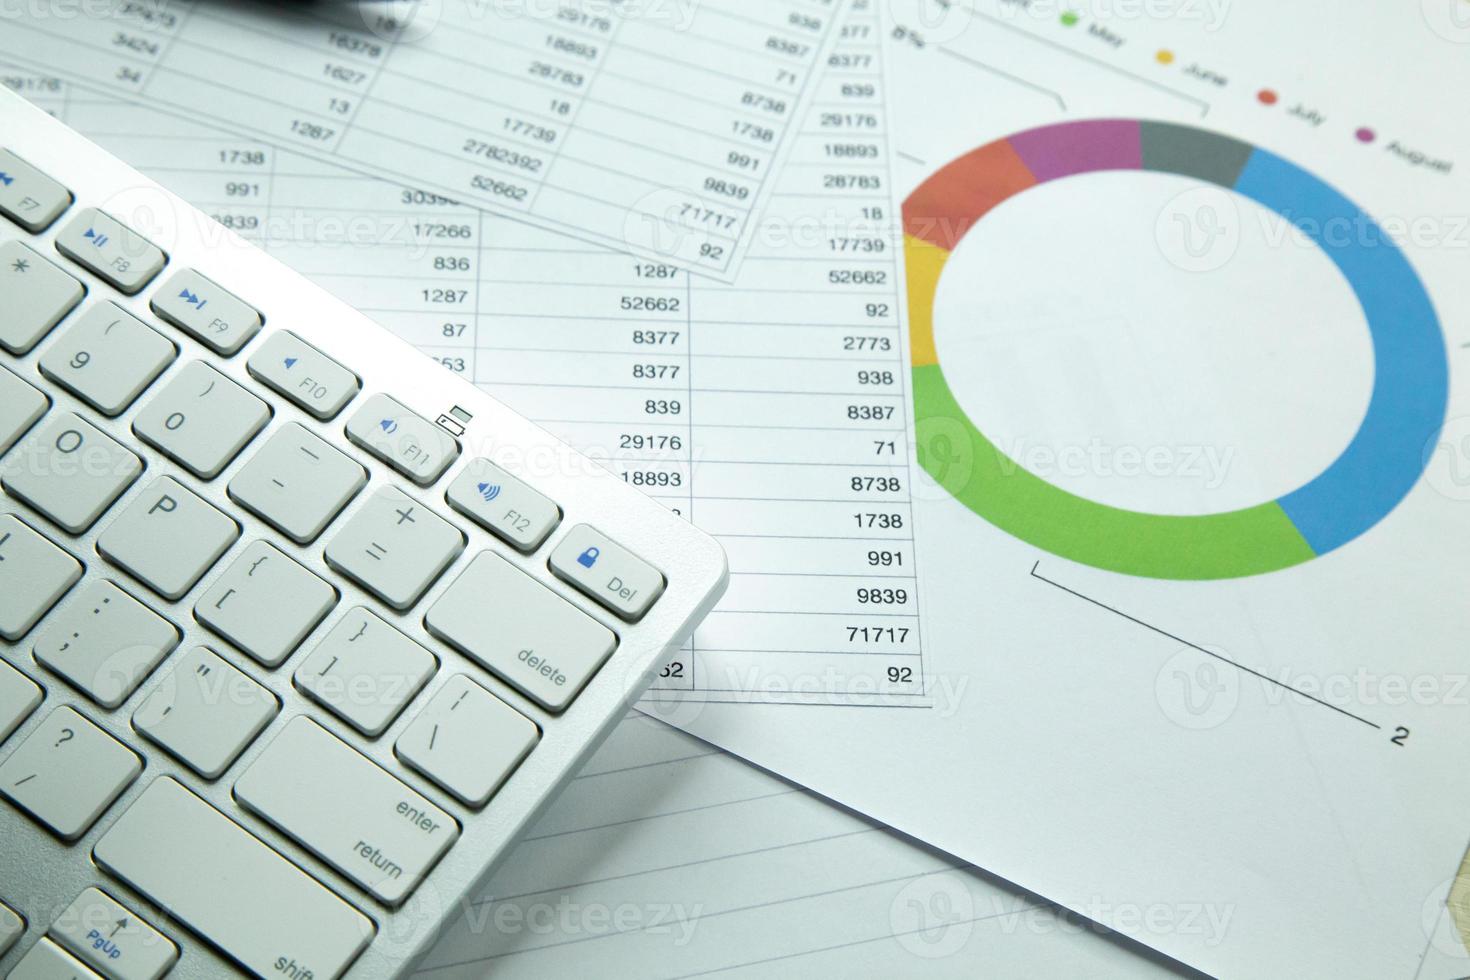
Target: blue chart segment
{"points": [[1411, 377], [1381, 464]]}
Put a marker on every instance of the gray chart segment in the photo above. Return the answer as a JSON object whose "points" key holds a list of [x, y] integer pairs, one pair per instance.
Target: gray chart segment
{"points": [[1193, 152]]}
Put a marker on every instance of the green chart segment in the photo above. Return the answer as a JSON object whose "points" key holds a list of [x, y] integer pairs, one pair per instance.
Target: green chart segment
{"points": [[1382, 463]]}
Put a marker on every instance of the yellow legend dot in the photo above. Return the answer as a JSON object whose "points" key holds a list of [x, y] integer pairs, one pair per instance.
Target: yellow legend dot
{"points": [[1164, 57]]}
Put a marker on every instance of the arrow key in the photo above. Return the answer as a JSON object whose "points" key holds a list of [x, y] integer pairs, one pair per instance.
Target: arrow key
{"points": [[304, 374], [210, 314], [102, 244], [27, 196], [112, 940]]}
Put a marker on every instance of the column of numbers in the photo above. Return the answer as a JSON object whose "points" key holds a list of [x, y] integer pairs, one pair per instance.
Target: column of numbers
{"points": [[801, 425]]}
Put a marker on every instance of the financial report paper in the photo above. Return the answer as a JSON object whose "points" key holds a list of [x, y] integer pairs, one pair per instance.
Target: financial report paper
{"points": [[1146, 715], [797, 462], [655, 126], [1185, 338]]}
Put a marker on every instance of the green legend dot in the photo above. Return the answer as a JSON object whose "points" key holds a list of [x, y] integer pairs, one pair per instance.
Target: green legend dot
{"points": [[1069, 18]]}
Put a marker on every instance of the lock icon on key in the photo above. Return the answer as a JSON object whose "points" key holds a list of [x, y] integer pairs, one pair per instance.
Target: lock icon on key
{"points": [[588, 558]]}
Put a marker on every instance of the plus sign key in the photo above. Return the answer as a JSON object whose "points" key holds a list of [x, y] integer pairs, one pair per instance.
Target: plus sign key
{"points": [[395, 547]]}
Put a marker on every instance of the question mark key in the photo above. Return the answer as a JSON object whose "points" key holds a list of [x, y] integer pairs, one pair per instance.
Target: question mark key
{"points": [[68, 772]]}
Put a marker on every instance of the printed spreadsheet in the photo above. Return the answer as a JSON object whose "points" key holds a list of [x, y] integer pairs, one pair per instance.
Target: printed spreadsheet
{"points": [[771, 412], [656, 126]]}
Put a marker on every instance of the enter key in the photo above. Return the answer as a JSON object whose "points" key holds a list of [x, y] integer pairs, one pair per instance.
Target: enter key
{"points": [[347, 810]]}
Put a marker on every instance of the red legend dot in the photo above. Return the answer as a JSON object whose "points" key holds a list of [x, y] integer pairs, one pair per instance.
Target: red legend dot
{"points": [[1267, 96], [1366, 135]]}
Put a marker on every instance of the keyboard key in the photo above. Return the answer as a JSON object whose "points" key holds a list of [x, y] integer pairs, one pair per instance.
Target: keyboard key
{"points": [[107, 358], [167, 538], [213, 876], [19, 696], [538, 642], [412, 445], [265, 604], [12, 927], [201, 420], [467, 740], [311, 379], [48, 961], [37, 295], [69, 471], [208, 313], [297, 483], [364, 671], [112, 939], [395, 547], [34, 573], [27, 196], [503, 505], [205, 712], [105, 643], [111, 249], [68, 772], [346, 810], [607, 572], [20, 406]]}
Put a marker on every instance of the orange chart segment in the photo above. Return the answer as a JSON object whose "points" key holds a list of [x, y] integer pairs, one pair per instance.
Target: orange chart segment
{"points": [[1364, 484]]}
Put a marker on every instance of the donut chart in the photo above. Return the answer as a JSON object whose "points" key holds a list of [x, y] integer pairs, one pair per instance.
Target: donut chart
{"points": [[1380, 465]]}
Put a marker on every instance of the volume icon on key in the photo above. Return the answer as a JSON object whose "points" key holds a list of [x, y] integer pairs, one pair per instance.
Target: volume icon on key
{"points": [[489, 491]]}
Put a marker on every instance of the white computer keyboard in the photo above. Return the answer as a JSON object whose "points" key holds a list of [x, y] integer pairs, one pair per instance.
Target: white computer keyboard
{"points": [[298, 629]]}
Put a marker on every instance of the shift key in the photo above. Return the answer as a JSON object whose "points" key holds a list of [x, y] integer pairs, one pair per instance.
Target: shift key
{"points": [[209, 873], [347, 810]]}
